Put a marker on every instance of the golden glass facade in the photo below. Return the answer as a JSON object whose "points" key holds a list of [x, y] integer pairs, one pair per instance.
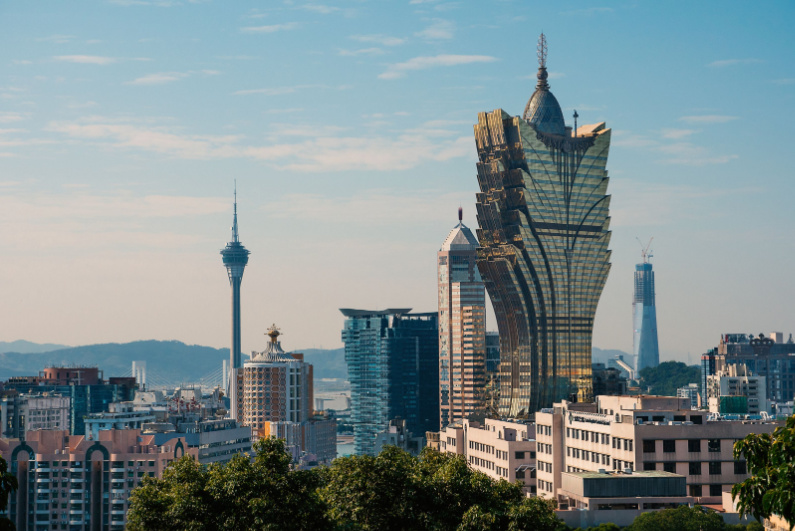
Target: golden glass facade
{"points": [[543, 217]]}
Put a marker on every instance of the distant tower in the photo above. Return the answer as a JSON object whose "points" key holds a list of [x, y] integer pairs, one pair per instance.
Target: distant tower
{"points": [[235, 258], [644, 314], [462, 327]]}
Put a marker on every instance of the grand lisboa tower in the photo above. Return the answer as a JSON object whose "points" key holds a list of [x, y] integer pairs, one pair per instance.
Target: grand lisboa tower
{"points": [[543, 216]]}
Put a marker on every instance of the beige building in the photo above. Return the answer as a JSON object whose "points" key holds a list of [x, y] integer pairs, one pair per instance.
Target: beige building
{"points": [[500, 449], [27, 412], [69, 482], [462, 327], [641, 433]]}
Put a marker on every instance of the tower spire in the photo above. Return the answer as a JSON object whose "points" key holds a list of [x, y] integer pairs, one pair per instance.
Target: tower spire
{"points": [[235, 236], [542, 63]]}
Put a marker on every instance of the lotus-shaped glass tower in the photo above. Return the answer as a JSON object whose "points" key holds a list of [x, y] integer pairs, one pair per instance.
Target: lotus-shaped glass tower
{"points": [[543, 216]]}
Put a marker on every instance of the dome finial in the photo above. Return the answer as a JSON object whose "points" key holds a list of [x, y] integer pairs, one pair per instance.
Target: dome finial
{"points": [[542, 63]]}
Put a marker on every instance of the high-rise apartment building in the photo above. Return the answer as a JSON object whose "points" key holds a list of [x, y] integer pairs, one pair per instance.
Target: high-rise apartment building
{"points": [[644, 317], [462, 326], [393, 366], [544, 232], [235, 258], [274, 386]]}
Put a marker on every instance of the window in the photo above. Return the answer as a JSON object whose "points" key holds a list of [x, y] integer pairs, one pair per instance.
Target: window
{"points": [[520, 474], [649, 466], [740, 468], [694, 469], [679, 418], [715, 490], [713, 445], [695, 491], [669, 467], [519, 455], [658, 418], [714, 468], [669, 446], [649, 446], [696, 419], [694, 445]]}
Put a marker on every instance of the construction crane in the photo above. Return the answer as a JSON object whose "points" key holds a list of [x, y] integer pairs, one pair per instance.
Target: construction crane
{"points": [[645, 252]]}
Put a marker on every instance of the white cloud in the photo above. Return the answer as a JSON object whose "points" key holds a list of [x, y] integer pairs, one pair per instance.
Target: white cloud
{"points": [[423, 63], [7, 117], [21, 62], [438, 30], [677, 133], [707, 119], [363, 51], [86, 59], [383, 40], [316, 150], [320, 8], [272, 28], [689, 154], [733, 62], [161, 78]]}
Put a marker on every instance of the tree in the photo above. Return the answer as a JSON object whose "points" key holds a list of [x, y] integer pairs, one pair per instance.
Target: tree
{"points": [[770, 489], [8, 484], [437, 491], [682, 518], [668, 376], [243, 494]]}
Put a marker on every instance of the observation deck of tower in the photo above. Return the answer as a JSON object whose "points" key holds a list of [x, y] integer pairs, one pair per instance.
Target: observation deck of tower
{"points": [[235, 258], [543, 217]]}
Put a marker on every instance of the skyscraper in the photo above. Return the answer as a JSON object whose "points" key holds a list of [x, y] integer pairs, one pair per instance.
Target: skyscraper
{"points": [[393, 359], [644, 317], [462, 326], [235, 258], [543, 217]]}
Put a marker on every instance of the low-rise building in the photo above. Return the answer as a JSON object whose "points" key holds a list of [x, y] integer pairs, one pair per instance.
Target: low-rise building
{"points": [[645, 433], [498, 448], [692, 393], [69, 482], [216, 440], [398, 435], [120, 416]]}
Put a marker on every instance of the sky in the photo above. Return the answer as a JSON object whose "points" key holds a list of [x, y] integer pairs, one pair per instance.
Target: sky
{"points": [[347, 126]]}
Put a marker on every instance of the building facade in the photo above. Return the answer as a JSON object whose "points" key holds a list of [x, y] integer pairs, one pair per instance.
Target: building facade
{"points": [[500, 449], [235, 258], [22, 413], [393, 366], [768, 357], [68, 482], [544, 231], [736, 390], [462, 326], [648, 433], [644, 318]]}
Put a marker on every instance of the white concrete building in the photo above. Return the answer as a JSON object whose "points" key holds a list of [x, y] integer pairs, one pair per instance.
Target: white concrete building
{"points": [[500, 449], [641, 433], [22, 413], [737, 381]]}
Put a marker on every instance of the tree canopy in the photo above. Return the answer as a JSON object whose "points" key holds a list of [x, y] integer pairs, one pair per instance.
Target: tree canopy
{"points": [[392, 491], [668, 376], [8, 484], [770, 459]]}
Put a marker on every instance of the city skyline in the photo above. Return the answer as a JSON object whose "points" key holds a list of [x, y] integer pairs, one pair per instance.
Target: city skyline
{"points": [[123, 125]]}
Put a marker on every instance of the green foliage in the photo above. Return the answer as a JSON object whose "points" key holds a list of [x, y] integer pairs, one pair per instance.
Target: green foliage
{"points": [[393, 491], [8, 484], [667, 377], [770, 489], [682, 518], [241, 495]]}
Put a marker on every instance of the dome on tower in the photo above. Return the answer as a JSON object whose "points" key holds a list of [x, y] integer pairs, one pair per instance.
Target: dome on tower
{"points": [[543, 110]]}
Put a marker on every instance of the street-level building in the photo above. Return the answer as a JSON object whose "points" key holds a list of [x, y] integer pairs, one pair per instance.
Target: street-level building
{"points": [[642, 433], [498, 448]]}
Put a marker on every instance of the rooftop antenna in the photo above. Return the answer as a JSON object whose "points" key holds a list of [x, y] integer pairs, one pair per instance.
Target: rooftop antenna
{"points": [[235, 237], [460, 214], [644, 252], [575, 122], [542, 63]]}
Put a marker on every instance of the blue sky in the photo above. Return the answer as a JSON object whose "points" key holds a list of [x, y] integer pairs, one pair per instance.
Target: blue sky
{"points": [[348, 126]]}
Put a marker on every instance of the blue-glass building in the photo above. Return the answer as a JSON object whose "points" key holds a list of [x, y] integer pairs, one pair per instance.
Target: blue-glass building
{"points": [[644, 319], [393, 366]]}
